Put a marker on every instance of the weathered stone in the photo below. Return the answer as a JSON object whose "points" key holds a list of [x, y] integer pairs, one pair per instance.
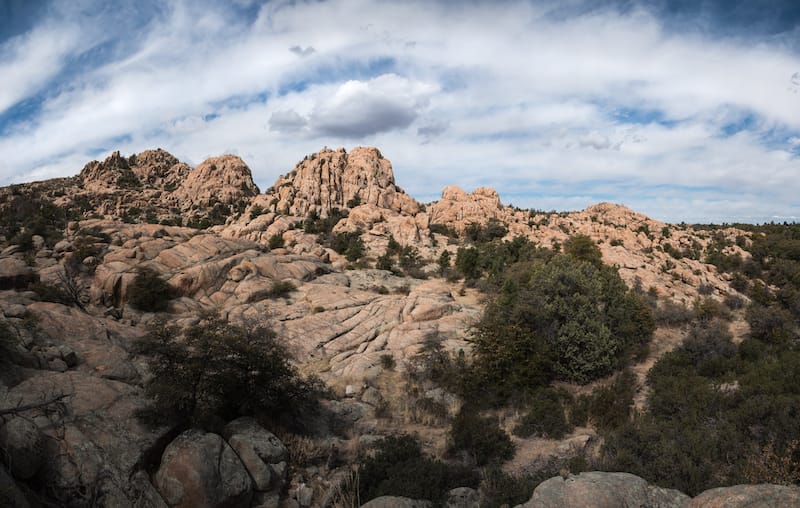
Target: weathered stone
{"points": [[305, 495], [23, 447], [15, 274], [463, 497], [603, 490], [395, 502], [199, 469], [748, 496], [10, 493], [258, 449]]}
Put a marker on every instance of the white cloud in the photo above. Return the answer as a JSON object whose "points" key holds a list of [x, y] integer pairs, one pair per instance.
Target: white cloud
{"points": [[362, 108], [29, 61], [504, 95]]}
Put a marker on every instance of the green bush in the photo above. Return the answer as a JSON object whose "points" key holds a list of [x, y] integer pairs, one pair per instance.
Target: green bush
{"points": [[398, 468], [214, 371], [280, 289], [480, 437], [610, 407], [545, 418], [149, 292], [499, 489], [559, 319], [276, 242]]}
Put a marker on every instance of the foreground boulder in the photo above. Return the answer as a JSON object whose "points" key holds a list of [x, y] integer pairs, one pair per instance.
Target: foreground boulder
{"points": [[610, 490], [199, 469], [744, 496], [603, 490]]}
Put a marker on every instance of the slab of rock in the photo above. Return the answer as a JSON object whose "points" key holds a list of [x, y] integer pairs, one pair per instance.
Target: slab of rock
{"points": [[603, 490], [748, 496], [199, 469], [396, 502]]}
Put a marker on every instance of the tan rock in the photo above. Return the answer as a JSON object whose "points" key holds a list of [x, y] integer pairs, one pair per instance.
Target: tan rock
{"points": [[333, 179], [225, 179]]}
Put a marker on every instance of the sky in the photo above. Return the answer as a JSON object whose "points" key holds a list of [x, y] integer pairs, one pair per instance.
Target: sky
{"points": [[682, 110]]}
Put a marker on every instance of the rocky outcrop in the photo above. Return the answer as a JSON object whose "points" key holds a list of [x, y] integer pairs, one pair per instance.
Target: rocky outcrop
{"points": [[225, 179], [112, 173], [200, 469], [159, 169], [457, 209], [335, 179]]}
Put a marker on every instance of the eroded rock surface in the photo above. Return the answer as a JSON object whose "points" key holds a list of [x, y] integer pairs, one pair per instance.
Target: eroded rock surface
{"points": [[199, 469]]}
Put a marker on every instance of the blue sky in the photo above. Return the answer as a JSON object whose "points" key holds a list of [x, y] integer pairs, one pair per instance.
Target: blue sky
{"points": [[684, 110]]}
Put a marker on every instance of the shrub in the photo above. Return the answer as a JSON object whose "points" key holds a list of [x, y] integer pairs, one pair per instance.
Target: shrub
{"points": [[349, 244], [561, 319], [384, 262], [280, 289], [399, 468], [444, 262], [706, 309], [214, 371], [480, 437], [498, 488], [149, 292], [388, 362], [582, 247], [672, 314], [610, 406], [276, 242], [255, 211], [545, 418], [770, 324]]}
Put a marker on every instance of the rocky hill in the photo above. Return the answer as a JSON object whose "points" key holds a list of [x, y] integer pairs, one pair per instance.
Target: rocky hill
{"points": [[70, 432]]}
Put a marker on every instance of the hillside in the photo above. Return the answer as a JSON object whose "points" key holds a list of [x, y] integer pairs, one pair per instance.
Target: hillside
{"points": [[361, 286]]}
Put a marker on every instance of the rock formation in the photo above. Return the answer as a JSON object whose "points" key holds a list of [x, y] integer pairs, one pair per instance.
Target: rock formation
{"points": [[335, 179], [221, 245]]}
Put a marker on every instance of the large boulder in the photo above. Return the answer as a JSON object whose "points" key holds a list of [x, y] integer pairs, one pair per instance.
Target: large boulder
{"points": [[396, 502], [225, 179], [260, 451], [745, 496], [603, 490], [23, 447], [15, 274], [199, 469]]}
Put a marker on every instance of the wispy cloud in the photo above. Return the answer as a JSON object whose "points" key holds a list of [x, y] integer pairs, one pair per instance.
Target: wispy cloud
{"points": [[672, 112]]}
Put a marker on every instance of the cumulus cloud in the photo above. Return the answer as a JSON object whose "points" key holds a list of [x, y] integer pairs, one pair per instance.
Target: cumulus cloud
{"points": [[362, 108], [287, 121]]}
